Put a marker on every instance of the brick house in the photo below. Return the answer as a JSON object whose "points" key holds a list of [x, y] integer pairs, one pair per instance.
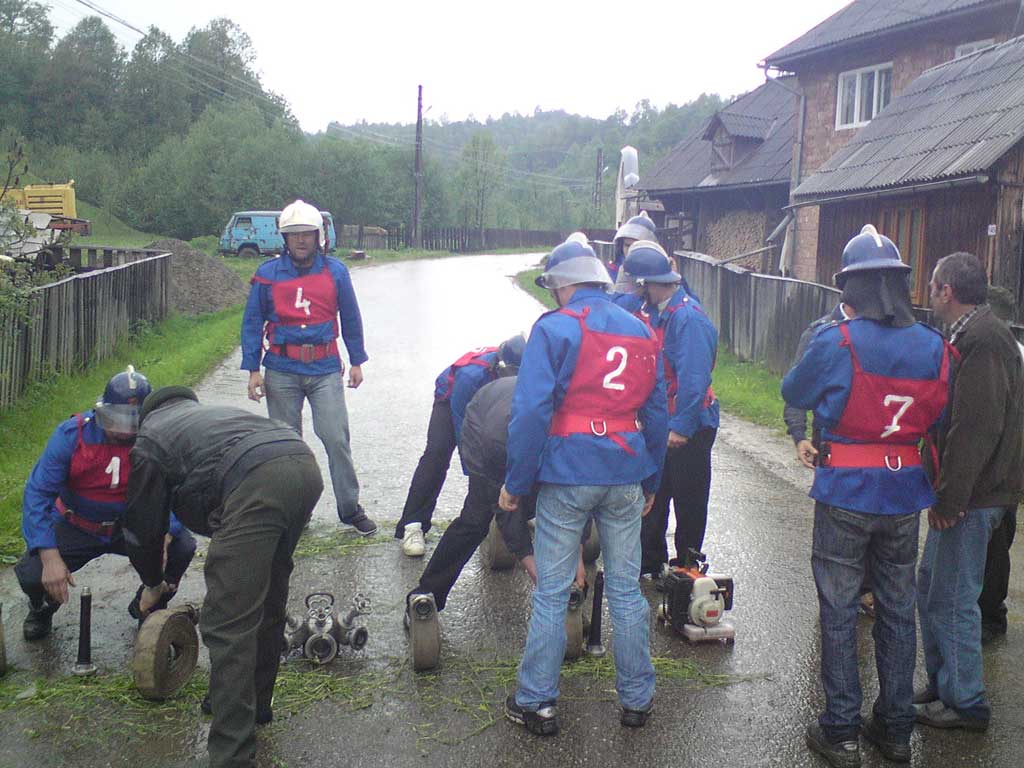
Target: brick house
{"points": [[725, 186], [940, 169], [849, 68]]}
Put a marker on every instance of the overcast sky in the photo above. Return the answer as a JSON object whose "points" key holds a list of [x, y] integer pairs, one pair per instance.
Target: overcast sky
{"points": [[349, 61]]}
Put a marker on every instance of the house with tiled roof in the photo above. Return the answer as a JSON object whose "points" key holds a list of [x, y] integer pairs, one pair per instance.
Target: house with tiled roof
{"points": [[850, 69], [727, 183]]}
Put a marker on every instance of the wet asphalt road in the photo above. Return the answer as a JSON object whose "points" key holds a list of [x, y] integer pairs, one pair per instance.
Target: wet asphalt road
{"points": [[419, 316]]}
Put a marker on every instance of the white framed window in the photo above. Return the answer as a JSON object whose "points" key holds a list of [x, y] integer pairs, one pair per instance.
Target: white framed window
{"points": [[968, 48], [862, 94]]}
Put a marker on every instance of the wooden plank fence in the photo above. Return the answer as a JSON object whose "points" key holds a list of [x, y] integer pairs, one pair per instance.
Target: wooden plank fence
{"points": [[77, 321]]}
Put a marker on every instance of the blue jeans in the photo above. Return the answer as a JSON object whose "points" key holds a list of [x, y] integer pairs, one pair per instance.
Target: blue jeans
{"points": [[844, 542], [562, 511], [326, 395], [949, 583]]}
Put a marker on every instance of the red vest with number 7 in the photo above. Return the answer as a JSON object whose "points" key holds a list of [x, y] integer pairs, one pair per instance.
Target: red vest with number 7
{"points": [[889, 410], [306, 300], [614, 376]]}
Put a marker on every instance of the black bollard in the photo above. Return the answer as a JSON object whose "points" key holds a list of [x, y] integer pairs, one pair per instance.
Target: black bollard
{"points": [[594, 647], [84, 665]]}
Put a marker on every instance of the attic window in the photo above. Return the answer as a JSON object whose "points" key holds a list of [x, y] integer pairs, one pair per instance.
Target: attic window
{"points": [[968, 48], [862, 94]]}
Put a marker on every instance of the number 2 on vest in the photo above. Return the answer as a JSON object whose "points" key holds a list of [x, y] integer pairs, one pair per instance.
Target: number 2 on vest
{"points": [[114, 470], [609, 380], [301, 303], [906, 401]]}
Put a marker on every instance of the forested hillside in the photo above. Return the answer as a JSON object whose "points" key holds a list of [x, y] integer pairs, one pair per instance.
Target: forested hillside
{"points": [[172, 136]]}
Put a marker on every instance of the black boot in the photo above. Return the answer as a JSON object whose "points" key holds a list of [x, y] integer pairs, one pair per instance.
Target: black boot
{"points": [[136, 613], [39, 621]]}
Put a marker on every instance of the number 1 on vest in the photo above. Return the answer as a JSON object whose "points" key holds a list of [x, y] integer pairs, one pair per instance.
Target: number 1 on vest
{"points": [[609, 380], [114, 470], [894, 426], [301, 303]]}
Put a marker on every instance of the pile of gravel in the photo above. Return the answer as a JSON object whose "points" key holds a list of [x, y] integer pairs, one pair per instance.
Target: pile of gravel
{"points": [[200, 283]]}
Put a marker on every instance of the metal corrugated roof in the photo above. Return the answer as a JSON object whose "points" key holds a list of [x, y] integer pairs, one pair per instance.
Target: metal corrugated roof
{"points": [[767, 113], [864, 18], [956, 119]]}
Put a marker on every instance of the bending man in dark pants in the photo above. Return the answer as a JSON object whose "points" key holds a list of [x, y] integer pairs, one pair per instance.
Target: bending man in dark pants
{"points": [[249, 483]]}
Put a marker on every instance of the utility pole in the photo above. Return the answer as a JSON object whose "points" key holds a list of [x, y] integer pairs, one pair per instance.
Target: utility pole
{"points": [[598, 174], [417, 208]]}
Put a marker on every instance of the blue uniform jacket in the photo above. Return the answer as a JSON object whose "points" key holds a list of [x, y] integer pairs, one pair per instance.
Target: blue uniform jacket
{"points": [[631, 302], [49, 478], [691, 343], [579, 459], [820, 381], [468, 381], [260, 309]]}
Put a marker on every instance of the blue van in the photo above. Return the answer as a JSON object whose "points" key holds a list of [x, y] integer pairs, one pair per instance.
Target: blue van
{"points": [[251, 234]]}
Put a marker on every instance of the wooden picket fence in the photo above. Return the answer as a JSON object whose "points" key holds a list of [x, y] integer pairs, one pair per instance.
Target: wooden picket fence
{"points": [[75, 322]]}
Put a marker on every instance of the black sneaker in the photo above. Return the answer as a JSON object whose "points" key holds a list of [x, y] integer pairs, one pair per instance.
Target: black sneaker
{"points": [[136, 613], [875, 732], [39, 622], [364, 525], [925, 695], [262, 717], [636, 718], [543, 722], [841, 754]]}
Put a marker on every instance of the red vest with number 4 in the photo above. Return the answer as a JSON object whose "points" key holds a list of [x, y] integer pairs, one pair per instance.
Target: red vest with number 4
{"points": [[671, 379], [886, 416], [308, 300], [614, 376], [473, 357]]}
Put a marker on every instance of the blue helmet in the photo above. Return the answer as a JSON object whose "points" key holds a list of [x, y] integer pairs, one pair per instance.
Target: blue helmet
{"points": [[510, 354], [647, 262], [572, 263], [869, 251], [638, 228], [118, 410]]}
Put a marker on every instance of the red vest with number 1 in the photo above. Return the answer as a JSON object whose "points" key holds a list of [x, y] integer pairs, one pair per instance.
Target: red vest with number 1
{"points": [[614, 376], [99, 472]]}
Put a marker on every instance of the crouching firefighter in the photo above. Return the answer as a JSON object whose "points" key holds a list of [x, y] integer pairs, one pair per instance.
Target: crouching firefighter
{"points": [[74, 502], [250, 484], [877, 384], [454, 389]]}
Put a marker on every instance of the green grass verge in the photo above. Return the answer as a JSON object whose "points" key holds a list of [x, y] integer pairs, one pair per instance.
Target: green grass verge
{"points": [[748, 390], [180, 350], [107, 229]]}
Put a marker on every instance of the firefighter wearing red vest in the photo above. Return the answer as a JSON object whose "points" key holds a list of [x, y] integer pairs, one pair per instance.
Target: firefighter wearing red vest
{"points": [[877, 384], [294, 306], [74, 502], [689, 345], [454, 388], [588, 430]]}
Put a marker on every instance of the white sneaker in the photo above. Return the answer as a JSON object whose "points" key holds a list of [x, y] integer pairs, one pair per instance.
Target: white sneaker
{"points": [[413, 543]]}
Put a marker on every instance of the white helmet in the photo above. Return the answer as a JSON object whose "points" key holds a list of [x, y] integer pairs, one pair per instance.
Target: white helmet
{"points": [[300, 216], [578, 237]]}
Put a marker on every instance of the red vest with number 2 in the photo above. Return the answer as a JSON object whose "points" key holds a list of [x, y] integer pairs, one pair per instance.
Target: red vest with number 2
{"points": [[614, 376], [886, 412]]}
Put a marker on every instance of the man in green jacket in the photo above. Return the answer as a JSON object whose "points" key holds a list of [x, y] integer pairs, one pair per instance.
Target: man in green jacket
{"points": [[982, 473]]}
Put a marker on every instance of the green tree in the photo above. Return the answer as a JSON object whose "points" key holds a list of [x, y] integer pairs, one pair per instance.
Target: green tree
{"points": [[82, 79], [481, 170], [25, 37], [154, 96]]}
